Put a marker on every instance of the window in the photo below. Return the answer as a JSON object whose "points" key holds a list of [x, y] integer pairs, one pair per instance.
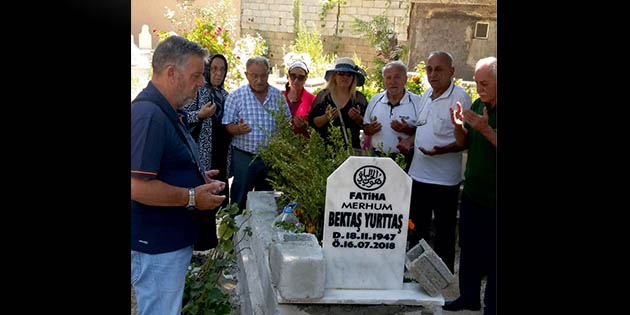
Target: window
{"points": [[481, 30]]}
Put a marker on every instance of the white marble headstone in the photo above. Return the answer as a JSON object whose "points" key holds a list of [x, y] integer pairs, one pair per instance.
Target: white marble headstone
{"points": [[144, 38], [365, 224]]}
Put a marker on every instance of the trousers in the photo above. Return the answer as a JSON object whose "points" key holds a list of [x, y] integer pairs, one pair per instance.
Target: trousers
{"points": [[247, 177], [477, 242], [159, 280], [440, 202]]}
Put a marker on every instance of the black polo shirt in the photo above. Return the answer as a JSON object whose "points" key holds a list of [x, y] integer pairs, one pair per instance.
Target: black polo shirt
{"points": [[158, 152]]}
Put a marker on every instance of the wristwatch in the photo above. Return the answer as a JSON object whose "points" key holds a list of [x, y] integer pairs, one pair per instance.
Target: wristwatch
{"points": [[191, 199]]}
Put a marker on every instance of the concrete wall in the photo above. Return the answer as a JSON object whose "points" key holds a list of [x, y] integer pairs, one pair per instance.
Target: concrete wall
{"points": [[431, 25], [450, 27], [273, 19]]}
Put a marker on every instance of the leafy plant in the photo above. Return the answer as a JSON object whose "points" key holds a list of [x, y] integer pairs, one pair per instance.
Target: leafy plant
{"points": [[202, 291], [399, 157], [299, 168], [416, 83], [310, 42], [328, 5], [288, 226], [209, 27], [383, 38]]}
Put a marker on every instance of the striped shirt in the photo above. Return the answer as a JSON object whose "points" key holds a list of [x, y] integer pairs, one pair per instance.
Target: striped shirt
{"points": [[242, 103]]}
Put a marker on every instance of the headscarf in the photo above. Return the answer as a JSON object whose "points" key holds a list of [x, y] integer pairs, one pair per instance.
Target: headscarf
{"points": [[216, 91]]}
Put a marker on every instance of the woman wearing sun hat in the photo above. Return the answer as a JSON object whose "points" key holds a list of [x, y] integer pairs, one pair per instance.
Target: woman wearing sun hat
{"points": [[341, 99]]}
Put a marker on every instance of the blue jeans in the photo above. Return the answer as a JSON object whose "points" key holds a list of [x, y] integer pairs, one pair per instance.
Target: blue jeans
{"points": [[159, 280]]}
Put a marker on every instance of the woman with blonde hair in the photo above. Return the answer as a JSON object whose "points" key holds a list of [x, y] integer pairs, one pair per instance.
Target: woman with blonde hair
{"points": [[341, 101]]}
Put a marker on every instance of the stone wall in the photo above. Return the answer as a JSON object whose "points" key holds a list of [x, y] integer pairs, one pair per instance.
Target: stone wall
{"points": [[274, 20], [450, 26]]}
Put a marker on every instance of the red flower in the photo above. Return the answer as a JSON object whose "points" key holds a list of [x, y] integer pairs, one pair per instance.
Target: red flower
{"points": [[237, 57], [214, 36], [154, 30], [219, 29], [205, 32], [225, 44], [226, 31]]}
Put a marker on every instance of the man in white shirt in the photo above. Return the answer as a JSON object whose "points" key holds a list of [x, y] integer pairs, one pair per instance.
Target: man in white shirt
{"points": [[437, 160], [391, 114]]}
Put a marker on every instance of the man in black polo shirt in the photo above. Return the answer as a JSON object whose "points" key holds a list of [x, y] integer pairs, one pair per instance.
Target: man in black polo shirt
{"points": [[476, 129], [168, 186]]}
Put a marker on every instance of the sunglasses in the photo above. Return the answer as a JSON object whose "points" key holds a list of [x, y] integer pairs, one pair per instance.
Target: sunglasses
{"points": [[294, 76], [344, 74]]}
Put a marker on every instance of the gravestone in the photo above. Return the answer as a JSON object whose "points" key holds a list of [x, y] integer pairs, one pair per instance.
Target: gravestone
{"points": [[365, 224], [144, 38]]}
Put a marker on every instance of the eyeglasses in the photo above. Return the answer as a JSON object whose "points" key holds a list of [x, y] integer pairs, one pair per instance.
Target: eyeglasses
{"points": [[257, 76], [294, 76], [344, 74]]}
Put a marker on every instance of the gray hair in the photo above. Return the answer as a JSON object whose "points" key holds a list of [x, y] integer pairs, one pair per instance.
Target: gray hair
{"points": [[489, 61], [394, 63], [258, 60], [449, 57], [175, 51]]}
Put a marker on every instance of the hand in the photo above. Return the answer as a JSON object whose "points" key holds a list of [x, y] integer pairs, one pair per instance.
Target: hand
{"points": [[207, 110], [355, 115], [405, 144], [436, 150], [402, 126], [210, 174], [478, 122], [206, 197], [331, 111], [373, 127], [299, 122], [456, 116], [243, 127]]}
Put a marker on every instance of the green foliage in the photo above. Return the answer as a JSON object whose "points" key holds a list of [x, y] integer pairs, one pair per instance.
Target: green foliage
{"points": [[299, 168], [399, 158], [310, 42], [415, 84], [381, 35], [297, 15], [470, 89], [288, 226], [202, 291], [212, 28], [328, 5]]}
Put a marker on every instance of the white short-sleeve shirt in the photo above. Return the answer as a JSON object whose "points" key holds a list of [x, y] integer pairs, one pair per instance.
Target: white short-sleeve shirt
{"points": [[441, 169], [408, 108]]}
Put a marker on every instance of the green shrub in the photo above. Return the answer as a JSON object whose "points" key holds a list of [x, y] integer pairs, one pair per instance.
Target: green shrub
{"points": [[299, 168]]}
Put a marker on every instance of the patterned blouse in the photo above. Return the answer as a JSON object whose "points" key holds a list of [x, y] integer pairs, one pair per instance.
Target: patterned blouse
{"points": [[210, 124]]}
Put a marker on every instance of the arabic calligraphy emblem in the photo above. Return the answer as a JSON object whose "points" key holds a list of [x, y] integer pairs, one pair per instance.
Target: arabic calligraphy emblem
{"points": [[369, 177]]}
